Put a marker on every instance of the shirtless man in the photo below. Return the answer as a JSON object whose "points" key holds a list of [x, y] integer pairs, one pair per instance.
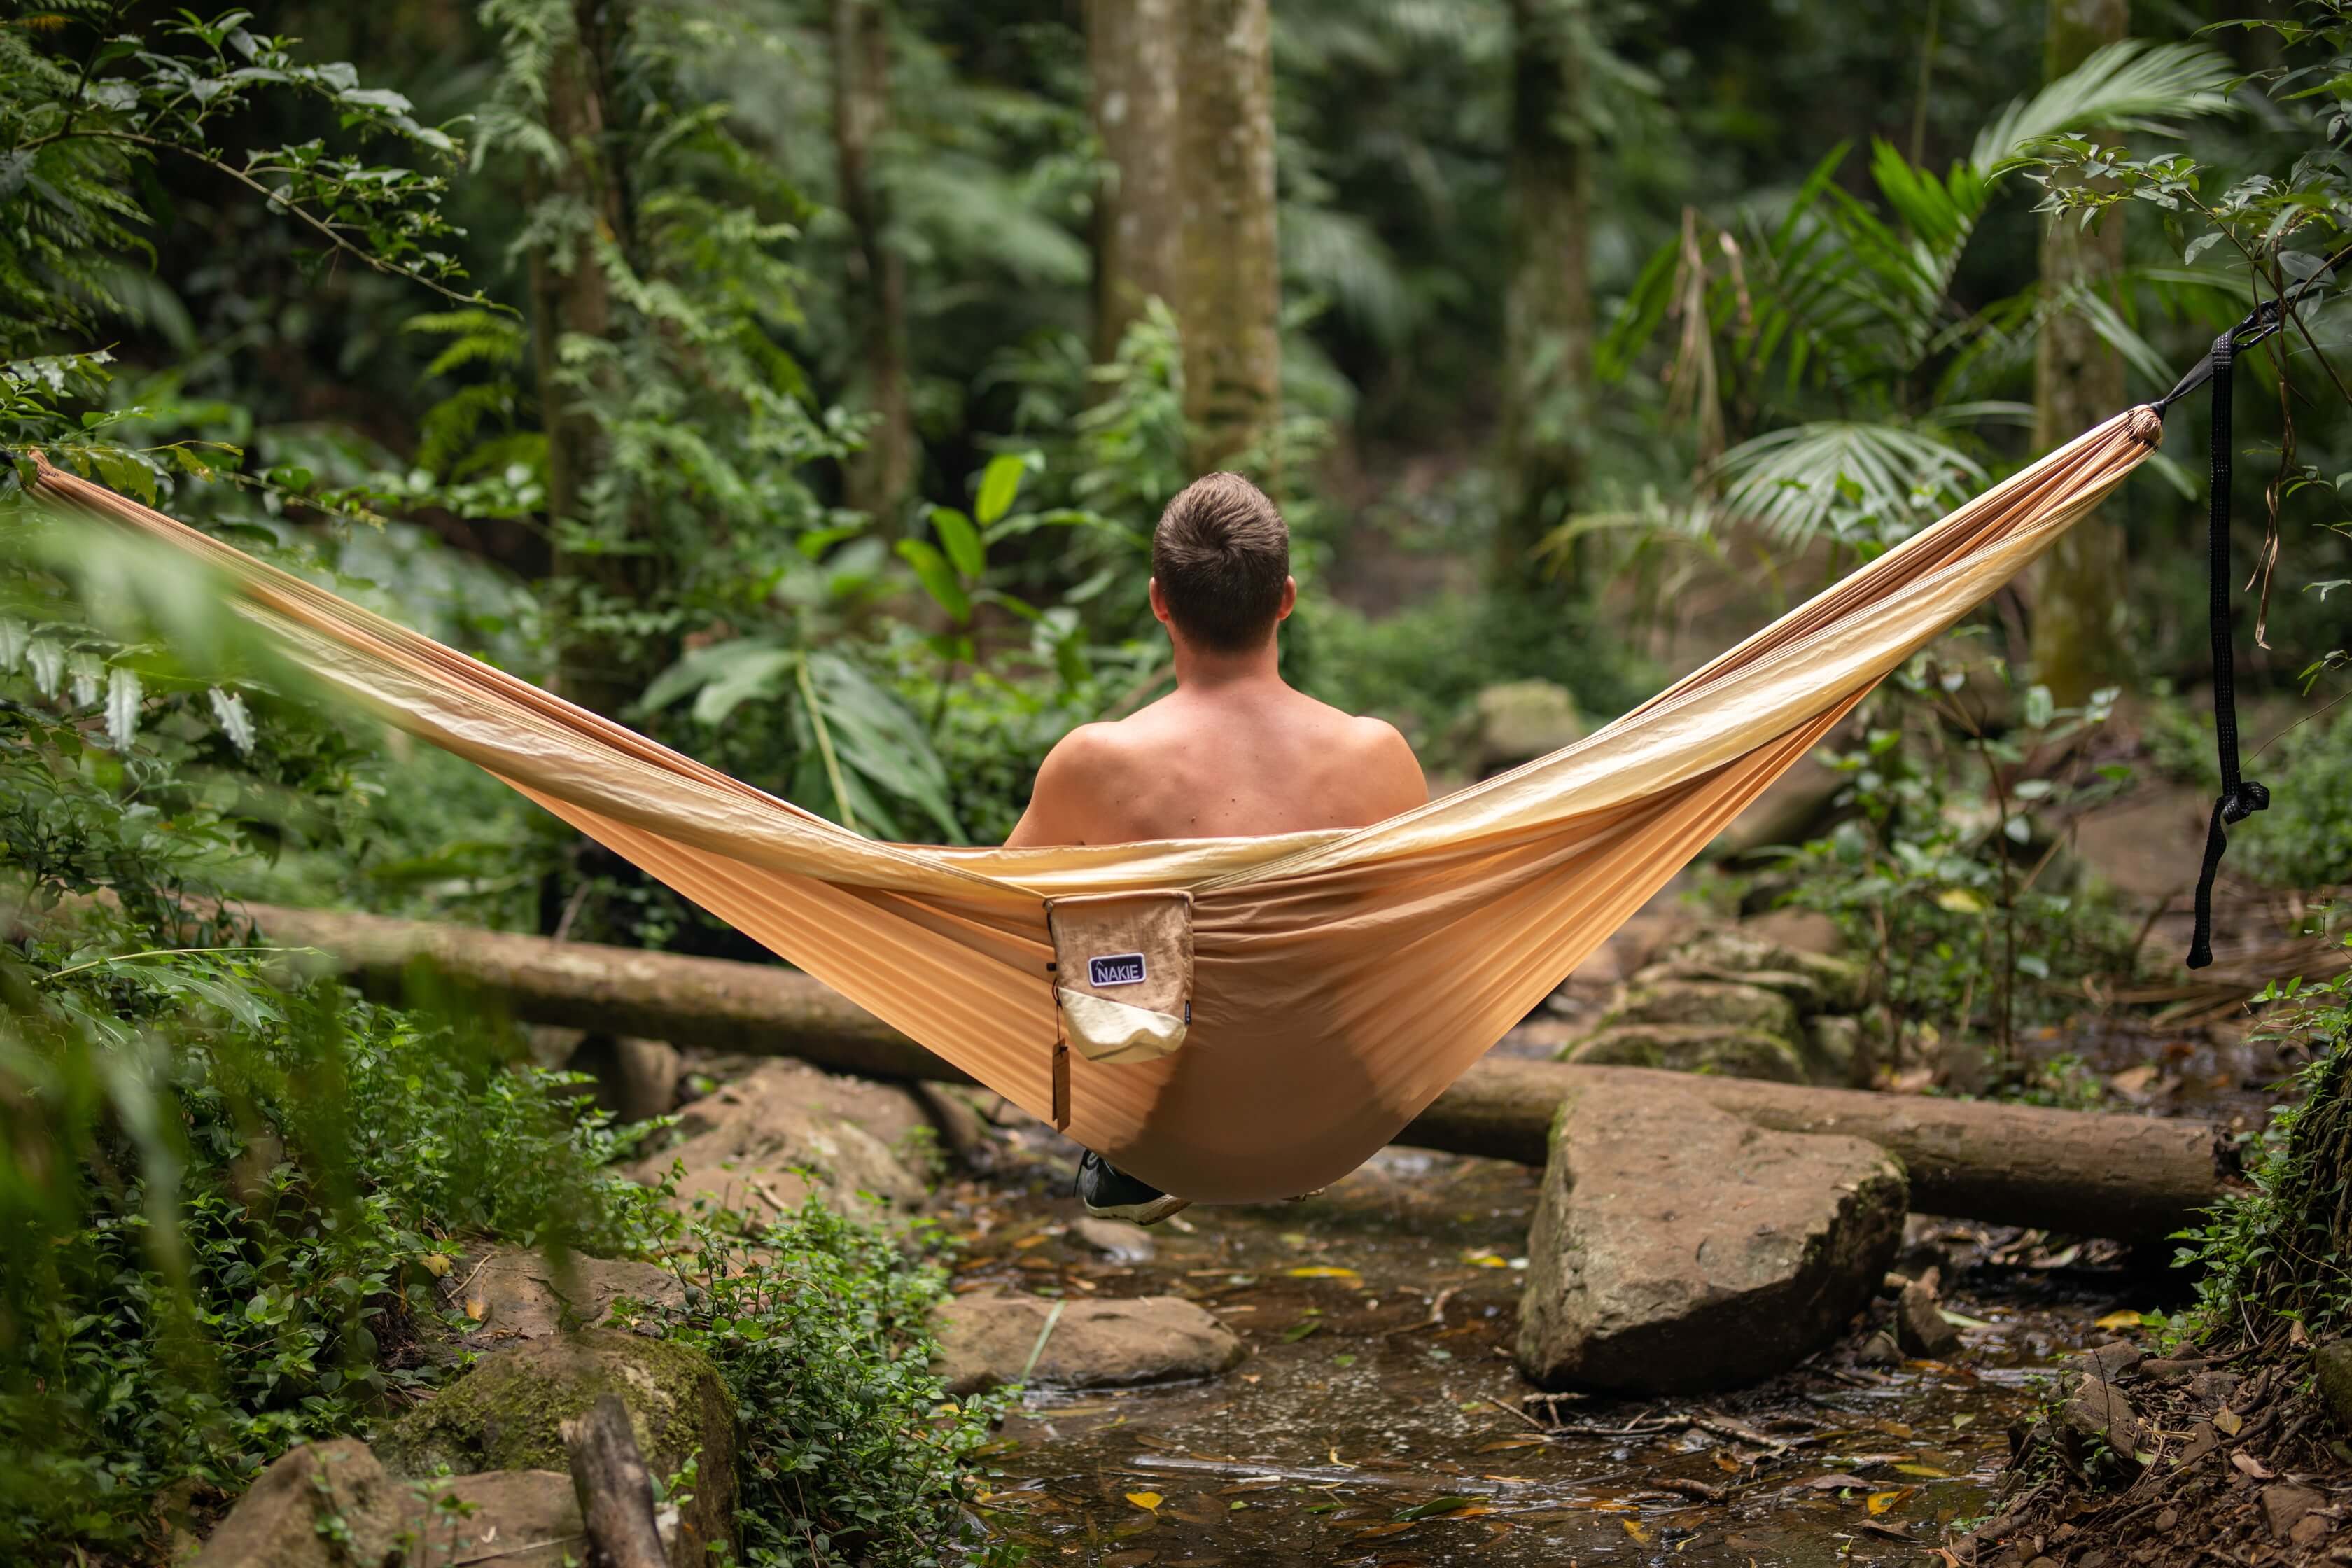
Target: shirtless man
{"points": [[1233, 752]]}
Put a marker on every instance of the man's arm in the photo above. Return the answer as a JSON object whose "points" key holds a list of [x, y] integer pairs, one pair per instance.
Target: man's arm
{"points": [[1060, 805]]}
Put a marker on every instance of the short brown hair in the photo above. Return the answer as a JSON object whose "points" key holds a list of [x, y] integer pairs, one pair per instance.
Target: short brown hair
{"points": [[1221, 553]]}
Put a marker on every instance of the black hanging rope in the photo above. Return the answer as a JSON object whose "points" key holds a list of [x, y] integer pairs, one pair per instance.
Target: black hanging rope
{"points": [[2240, 797]]}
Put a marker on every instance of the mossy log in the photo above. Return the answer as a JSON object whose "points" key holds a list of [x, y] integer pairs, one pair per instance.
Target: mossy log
{"points": [[2133, 1177]]}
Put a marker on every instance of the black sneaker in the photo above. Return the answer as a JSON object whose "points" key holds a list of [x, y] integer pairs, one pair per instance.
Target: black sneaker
{"points": [[1110, 1192]]}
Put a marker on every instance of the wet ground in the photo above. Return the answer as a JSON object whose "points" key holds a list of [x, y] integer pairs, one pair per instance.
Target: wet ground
{"points": [[1378, 1420]]}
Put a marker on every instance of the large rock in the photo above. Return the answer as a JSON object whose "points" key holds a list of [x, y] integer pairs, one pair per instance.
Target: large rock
{"points": [[987, 1338], [507, 1413], [1653, 998], [762, 1144], [1520, 722], [286, 1517], [1676, 1247], [2332, 1360], [514, 1294], [331, 1505], [1691, 1047]]}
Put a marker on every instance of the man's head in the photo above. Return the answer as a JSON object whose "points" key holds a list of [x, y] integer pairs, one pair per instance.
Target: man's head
{"points": [[1221, 565]]}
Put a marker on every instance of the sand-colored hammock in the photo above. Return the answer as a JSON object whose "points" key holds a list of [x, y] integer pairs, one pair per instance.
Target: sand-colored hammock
{"points": [[1337, 980]]}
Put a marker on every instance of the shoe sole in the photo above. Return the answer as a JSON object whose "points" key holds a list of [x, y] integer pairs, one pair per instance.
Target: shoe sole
{"points": [[1151, 1212]]}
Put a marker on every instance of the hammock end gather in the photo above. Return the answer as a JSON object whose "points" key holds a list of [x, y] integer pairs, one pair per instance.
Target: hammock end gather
{"points": [[2145, 426]]}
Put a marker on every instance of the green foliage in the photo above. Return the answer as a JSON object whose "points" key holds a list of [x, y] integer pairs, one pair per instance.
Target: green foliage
{"points": [[852, 1451], [2281, 1252], [1945, 876]]}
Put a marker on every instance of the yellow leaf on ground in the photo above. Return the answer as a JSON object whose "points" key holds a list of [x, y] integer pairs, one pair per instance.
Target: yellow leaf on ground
{"points": [[1881, 1501], [2120, 1321], [1486, 1260], [436, 1264], [1928, 1470], [475, 1306], [2228, 1421], [1145, 1500], [1633, 1528], [1322, 1271]]}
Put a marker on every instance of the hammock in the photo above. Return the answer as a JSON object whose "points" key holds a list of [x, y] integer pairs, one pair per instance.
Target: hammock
{"points": [[1236, 1020]]}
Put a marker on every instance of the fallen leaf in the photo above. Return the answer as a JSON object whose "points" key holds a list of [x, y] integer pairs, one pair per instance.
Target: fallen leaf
{"points": [[1486, 1260], [1525, 1440], [1297, 1332], [2126, 1320], [2228, 1421], [1633, 1528], [1322, 1271], [1879, 1502], [1725, 1463], [1379, 1530], [1928, 1470], [436, 1264], [1343, 1361], [1959, 901], [2251, 1466], [1433, 1508], [1146, 1500], [475, 1306], [1835, 1482], [1963, 1419]]}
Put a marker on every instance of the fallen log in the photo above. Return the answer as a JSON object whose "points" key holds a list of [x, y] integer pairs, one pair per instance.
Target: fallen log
{"points": [[2132, 1177]]}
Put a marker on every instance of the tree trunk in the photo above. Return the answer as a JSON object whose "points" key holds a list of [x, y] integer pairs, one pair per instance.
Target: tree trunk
{"points": [[881, 478], [612, 1487], [1230, 306], [2078, 380], [571, 298], [1131, 52], [2128, 1176], [1548, 303]]}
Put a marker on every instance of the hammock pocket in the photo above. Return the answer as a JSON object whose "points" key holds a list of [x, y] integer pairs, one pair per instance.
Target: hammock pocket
{"points": [[1236, 1020]]}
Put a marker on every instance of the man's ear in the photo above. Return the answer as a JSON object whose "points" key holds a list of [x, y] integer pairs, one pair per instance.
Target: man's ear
{"points": [[1289, 598], [1158, 602]]}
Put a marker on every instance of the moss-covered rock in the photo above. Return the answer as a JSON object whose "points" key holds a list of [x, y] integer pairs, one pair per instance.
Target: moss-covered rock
{"points": [[1686, 1048], [507, 1413], [1816, 981], [1714, 1005], [2333, 1361]]}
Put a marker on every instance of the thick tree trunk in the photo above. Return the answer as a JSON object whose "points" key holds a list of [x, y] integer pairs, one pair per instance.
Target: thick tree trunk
{"points": [[1131, 52], [2128, 1176], [2078, 380], [1548, 304], [1230, 304], [571, 298], [882, 477], [612, 1487]]}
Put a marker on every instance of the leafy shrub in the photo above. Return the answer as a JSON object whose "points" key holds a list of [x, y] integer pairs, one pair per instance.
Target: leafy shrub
{"points": [[2282, 1253], [851, 1451]]}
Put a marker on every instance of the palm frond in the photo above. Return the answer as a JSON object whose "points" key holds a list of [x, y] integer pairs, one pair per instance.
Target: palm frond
{"points": [[2135, 85], [1871, 481]]}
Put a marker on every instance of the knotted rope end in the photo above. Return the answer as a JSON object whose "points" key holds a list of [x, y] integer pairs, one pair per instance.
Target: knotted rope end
{"points": [[2145, 425]]}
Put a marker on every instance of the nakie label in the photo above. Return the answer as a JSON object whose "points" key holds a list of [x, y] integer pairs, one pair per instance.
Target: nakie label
{"points": [[1116, 969]]}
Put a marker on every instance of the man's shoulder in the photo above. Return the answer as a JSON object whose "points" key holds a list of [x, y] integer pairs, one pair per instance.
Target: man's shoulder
{"points": [[1091, 748]]}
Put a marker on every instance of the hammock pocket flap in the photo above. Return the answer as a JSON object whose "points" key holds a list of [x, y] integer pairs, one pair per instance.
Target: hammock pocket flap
{"points": [[1236, 1020]]}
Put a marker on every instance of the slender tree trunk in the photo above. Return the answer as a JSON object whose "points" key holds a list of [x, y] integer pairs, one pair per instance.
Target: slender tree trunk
{"points": [[1548, 303], [1230, 299], [1131, 52], [572, 298], [882, 477], [2078, 380]]}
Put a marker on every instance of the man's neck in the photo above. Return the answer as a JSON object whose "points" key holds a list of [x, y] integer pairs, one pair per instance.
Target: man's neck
{"points": [[1200, 669]]}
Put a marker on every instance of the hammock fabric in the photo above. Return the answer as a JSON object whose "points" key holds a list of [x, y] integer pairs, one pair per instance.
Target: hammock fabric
{"points": [[1338, 981]]}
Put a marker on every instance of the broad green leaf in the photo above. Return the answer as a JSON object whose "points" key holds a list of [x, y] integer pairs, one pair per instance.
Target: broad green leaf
{"points": [[938, 578], [961, 539], [1000, 482], [123, 694]]}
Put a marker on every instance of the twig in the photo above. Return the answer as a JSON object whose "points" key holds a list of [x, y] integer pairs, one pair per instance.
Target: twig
{"points": [[1703, 1491], [1522, 1415]]}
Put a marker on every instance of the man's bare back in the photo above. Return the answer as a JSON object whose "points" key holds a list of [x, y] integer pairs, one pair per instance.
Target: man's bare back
{"points": [[1233, 752], [1248, 757]]}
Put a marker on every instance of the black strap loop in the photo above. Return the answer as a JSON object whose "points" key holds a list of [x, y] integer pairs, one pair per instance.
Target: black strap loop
{"points": [[2240, 798]]}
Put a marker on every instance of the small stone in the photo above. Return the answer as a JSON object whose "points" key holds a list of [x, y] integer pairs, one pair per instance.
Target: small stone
{"points": [[2106, 1363], [2212, 1390], [1880, 1350], [2310, 1531], [987, 1339], [1919, 1324], [2099, 1430], [1120, 1240], [2284, 1504]]}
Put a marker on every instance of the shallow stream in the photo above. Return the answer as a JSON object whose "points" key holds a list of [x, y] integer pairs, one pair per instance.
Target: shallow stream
{"points": [[1379, 1421]]}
